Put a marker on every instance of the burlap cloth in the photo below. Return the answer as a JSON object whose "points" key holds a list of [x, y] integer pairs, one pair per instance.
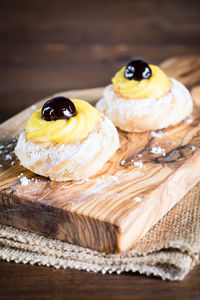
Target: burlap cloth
{"points": [[169, 250]]}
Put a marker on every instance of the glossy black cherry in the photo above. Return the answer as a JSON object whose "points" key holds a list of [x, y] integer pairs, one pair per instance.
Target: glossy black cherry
{"points": [[137, 69], [58, 108]]}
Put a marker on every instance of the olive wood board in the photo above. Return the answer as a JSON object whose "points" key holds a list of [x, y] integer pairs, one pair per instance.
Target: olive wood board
{"points": [[113, 210]]}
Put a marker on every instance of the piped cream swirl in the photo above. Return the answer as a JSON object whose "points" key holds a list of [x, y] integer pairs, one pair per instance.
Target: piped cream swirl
{"points": [[71, 131], [156, 86]]}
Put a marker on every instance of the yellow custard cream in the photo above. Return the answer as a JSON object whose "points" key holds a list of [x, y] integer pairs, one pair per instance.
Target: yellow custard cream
{"points": [[156, 86], [71, 131]]}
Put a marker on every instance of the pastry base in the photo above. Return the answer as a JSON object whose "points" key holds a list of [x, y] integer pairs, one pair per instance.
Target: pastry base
{"points": [[77, 161], [140, 115]]}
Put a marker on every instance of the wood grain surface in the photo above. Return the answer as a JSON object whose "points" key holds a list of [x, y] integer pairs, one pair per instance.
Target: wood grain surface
{"points": [[50, 46], [103, 213]]}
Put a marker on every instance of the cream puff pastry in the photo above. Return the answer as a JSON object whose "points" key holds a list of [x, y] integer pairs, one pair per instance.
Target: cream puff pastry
{"points": [[142, 97], [67, 140]]}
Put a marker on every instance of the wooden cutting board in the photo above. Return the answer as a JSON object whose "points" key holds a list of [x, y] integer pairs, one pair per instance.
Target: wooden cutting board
{"points": [[113, 210]]}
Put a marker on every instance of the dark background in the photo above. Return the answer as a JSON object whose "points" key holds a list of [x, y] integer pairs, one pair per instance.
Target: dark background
{"points": [[49, 46]]}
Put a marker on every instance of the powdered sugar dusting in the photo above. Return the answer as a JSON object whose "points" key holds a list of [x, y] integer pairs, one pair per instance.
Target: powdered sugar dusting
{"points": [[156, 134], [61, 153], [112, 103], [24, 180], [122, 162], [158, 150], [189, 119], [137, 199], [76, 155], [122, 112], [102, 184], [138, 164]]}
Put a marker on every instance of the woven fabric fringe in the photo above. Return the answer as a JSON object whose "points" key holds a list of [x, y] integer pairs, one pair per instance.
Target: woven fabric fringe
{"points": [[169, 250]]}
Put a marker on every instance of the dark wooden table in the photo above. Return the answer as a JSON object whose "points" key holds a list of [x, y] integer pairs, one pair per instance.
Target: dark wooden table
{"points": [[50, 46]]}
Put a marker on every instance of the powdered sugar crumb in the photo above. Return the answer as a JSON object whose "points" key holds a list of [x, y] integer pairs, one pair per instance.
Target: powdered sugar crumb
{"points": [[158, 150], [156, 134], [137, 199], [139, 155], [193, 147], [189, 120], [24, 180], [138, 164], [20, 175], [1, 165], [122, 163]]}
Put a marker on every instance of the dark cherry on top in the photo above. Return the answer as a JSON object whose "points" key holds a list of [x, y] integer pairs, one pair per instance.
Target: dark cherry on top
{"points": [[58, 108], [137, 69]]}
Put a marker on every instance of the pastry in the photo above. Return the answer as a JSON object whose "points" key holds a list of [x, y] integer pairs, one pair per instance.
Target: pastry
{"points": [[67, 140], [142, 97]]}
